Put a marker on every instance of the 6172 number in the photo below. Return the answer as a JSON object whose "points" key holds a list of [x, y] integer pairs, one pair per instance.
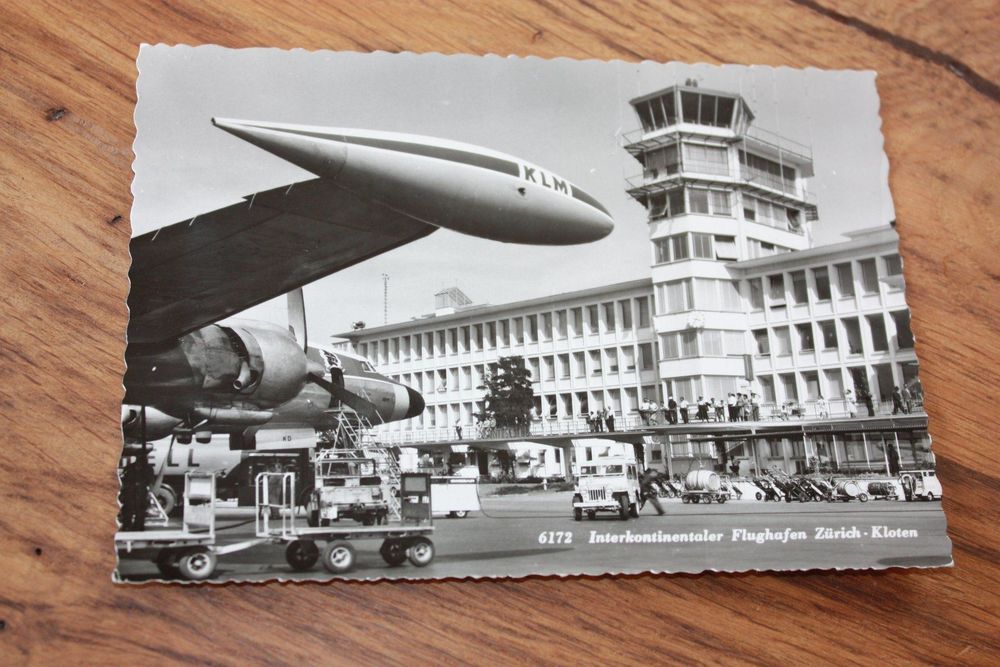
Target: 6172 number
{"points": [[555, 537]]}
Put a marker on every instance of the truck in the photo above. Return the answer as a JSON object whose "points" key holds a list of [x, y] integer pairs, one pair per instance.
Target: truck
{"points": [[607, 484], [920, 485], [347, 487]]}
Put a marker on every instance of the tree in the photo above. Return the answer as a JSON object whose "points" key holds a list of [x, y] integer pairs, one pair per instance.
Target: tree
{"points": [[509, 394]]}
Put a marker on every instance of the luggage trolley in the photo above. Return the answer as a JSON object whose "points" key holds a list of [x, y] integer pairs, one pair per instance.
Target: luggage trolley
{"points": [[407, 539]]}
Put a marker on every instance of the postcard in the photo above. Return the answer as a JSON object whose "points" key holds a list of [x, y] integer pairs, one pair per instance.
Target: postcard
{"points": [[402, 316]]}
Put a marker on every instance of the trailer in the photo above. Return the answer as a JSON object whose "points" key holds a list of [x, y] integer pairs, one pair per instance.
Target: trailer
{"points": [[407, 539], [455, 497], [846, 490], [191, 551], [705, 486]]}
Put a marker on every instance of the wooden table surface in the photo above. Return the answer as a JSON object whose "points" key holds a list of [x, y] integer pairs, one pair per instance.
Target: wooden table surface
{"points": [[68, 74]]}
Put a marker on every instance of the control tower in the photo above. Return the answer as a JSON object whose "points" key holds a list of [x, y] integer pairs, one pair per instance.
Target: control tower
{"points": [[717, 190]]}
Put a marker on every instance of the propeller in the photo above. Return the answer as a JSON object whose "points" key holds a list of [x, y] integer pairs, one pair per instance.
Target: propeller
{"points": [[359, 404], [297, 317], [297, 327]]}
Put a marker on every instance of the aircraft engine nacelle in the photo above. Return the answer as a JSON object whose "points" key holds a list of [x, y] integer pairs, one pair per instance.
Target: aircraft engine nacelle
{"points": [[158, 424], [255, 366], [276, 367]]}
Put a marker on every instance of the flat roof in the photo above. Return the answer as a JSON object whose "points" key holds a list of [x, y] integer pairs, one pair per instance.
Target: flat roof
{"points": [[863, 238], [489, 309]]}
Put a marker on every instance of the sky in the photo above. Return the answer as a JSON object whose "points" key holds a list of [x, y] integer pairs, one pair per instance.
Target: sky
{"points": [[564, 115]]}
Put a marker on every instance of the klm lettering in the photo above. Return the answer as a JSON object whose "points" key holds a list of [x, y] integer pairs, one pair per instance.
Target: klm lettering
{"points": [[549, 181]]}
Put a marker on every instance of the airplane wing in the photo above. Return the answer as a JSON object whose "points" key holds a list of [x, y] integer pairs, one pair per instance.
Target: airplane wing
{"points": [[195, 272]]}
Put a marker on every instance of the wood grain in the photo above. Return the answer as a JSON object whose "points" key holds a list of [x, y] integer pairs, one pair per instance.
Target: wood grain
{"points": [[67, 96]]}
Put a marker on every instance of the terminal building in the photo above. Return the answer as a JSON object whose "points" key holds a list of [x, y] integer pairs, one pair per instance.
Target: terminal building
{"points": [[739, 300]]}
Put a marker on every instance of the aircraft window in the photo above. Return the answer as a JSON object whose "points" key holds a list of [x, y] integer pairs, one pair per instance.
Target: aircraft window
{"points": [[588, 470], [613, 470], [367, 367]]}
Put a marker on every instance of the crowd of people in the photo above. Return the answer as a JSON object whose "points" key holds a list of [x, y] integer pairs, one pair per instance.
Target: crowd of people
{"points": [[736, 407], [601, 420]]}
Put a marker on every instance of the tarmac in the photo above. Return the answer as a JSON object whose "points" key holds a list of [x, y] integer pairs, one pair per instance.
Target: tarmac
{"points": [[535, 534]]}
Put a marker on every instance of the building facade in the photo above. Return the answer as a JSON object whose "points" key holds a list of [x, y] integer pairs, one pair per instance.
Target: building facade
{"points": [[738, 300], [586, 350]]}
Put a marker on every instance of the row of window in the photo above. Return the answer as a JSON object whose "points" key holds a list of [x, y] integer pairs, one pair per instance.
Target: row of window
{"points": [[830, 383], [767, 172], [793, 286], [678, 201], [708, 159], [678, 106], [679, 247], [607, 361], [610, 316], [702, 343], [698, 246], [778, 340], [705, 201], [701, 158], [678, 296]]}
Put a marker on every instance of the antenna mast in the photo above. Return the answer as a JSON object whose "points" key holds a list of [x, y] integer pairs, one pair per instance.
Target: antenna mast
{"points": [[385, 298]]}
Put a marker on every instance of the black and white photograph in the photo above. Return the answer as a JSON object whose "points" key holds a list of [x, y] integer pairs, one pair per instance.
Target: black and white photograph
{"points": [[423, 316]]}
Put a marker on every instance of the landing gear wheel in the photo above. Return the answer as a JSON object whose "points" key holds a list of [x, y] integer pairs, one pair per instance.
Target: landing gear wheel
{"points": [[313, 519], [367, 520], [393, 552], [460, 514], [591, 515], [167, 499], [686, 499], [577, 514], [722, 500], [421, 552], [759, 495], [166, 563], [197, 564], [633, 511], [623, 508], [863, 497], [931, 497], [301, 554], [305, 500], [708, 500], [339, 557], [695, 499]]}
